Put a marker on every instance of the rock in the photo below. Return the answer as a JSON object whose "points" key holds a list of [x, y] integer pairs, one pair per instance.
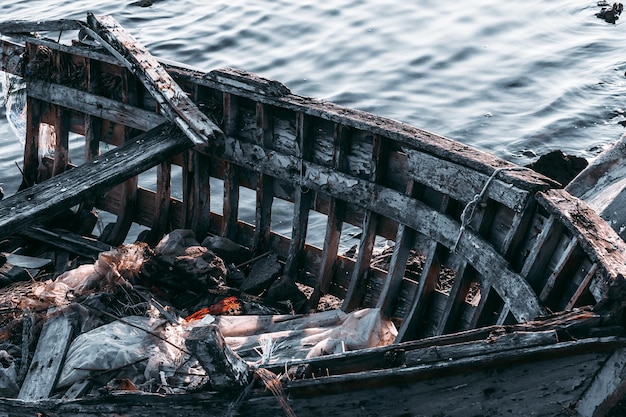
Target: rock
{"points": [[263, 273], [283, 289], [182, 252], [558, 166], [226, 249]]}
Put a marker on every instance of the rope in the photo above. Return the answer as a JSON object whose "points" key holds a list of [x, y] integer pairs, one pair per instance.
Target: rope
{"points": [[470, 207]]}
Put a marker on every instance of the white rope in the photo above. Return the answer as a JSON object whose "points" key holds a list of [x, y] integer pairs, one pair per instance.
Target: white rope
{"points": [[470, 207]]}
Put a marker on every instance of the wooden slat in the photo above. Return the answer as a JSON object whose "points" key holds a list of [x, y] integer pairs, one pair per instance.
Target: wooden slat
{"points": [[61, 148], [31, 146], [460, 182], [334, 221], [607, 387], [581, 287], [456, 298], [302, 200], [197, 193], [231, 172], [265, 187], [428, 280], [162, 203], [356, 290], [48, 358], [172, 99], [549, 285], [94, 105], [41, 201], [23, 26], [397, 267]]}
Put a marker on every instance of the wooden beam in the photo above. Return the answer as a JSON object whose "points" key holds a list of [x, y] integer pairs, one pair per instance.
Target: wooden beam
{"points": [[40, 202], [23, 26], [173, 100], [48, 358], [607, 388]]}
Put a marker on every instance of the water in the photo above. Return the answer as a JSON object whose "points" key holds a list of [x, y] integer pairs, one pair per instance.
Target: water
{"points": [[516, 80]]}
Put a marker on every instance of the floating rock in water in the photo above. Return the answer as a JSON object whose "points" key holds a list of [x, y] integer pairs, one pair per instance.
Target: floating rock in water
{"points": [[611, 14], [558, 166]]}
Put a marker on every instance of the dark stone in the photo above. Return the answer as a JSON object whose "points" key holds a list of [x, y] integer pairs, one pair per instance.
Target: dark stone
{"points": [[283, 289], [229, 251], [611, 15], [264, 272], [558, 166]]}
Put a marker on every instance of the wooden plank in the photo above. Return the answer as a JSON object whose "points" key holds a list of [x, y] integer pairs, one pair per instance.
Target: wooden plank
{"points": [[230, 205], [550, 283], [63, 239], [171, 98], [581, 287], [48, 359], [302, 200], [31, 147], [265, 187], [456, 298], [397, 267], [162, 203], [607, 388], [94, 105], [23, 26], [428, 279], [360, 274], [460, 182], [541, 250], [40, 202], [197, 193], [61, 148]]}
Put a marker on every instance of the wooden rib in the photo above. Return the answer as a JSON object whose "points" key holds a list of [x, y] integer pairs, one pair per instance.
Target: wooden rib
{"points": [[93, 125], [558, 270], [171, 98], [231, 172], [61, 145], [581, 287], [358, 281], [302, 200], [428, 281], [541, 250], [397, 267], [334, 223], [265, 184], [456, 298], [197, 192], [162, 203], [485, 294]]}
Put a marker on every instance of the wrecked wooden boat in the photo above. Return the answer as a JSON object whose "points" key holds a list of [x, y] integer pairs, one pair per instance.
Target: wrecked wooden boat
{"points": [[507, 292]]}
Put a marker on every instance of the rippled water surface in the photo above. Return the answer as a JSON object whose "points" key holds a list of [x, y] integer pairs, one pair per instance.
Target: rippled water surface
{"points": [[513, 79]]}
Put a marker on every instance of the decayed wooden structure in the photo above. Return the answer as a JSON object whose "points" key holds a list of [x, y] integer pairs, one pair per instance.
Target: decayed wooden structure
{"points": [[496, 244]]}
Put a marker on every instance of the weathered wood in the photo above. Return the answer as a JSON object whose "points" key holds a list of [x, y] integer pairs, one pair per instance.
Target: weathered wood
{"points": [[558, 270], [48, 359], [411, 324], [460, 182], [582, 287], [22, 26], [226, 370], [197, 193], [599, 241], [265, 192], [607, 388], [63, 239], [172, 99], [94, 105], [397, 267], [162, 202], [456, 298], [39, 202], [303, 197]]}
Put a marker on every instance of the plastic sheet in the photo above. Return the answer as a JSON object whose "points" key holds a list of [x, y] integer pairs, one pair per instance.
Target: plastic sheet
{"points": [[14, 99]]}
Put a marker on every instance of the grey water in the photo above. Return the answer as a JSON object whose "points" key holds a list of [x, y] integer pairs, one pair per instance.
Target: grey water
{"points": [[517, 79]]}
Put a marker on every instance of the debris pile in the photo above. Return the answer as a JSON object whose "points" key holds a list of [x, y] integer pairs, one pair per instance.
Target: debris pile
{"points": [[170, 320]]}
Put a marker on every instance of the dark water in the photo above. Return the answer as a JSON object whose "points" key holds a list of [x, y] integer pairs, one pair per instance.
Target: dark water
{"points": [[516, 79]]}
